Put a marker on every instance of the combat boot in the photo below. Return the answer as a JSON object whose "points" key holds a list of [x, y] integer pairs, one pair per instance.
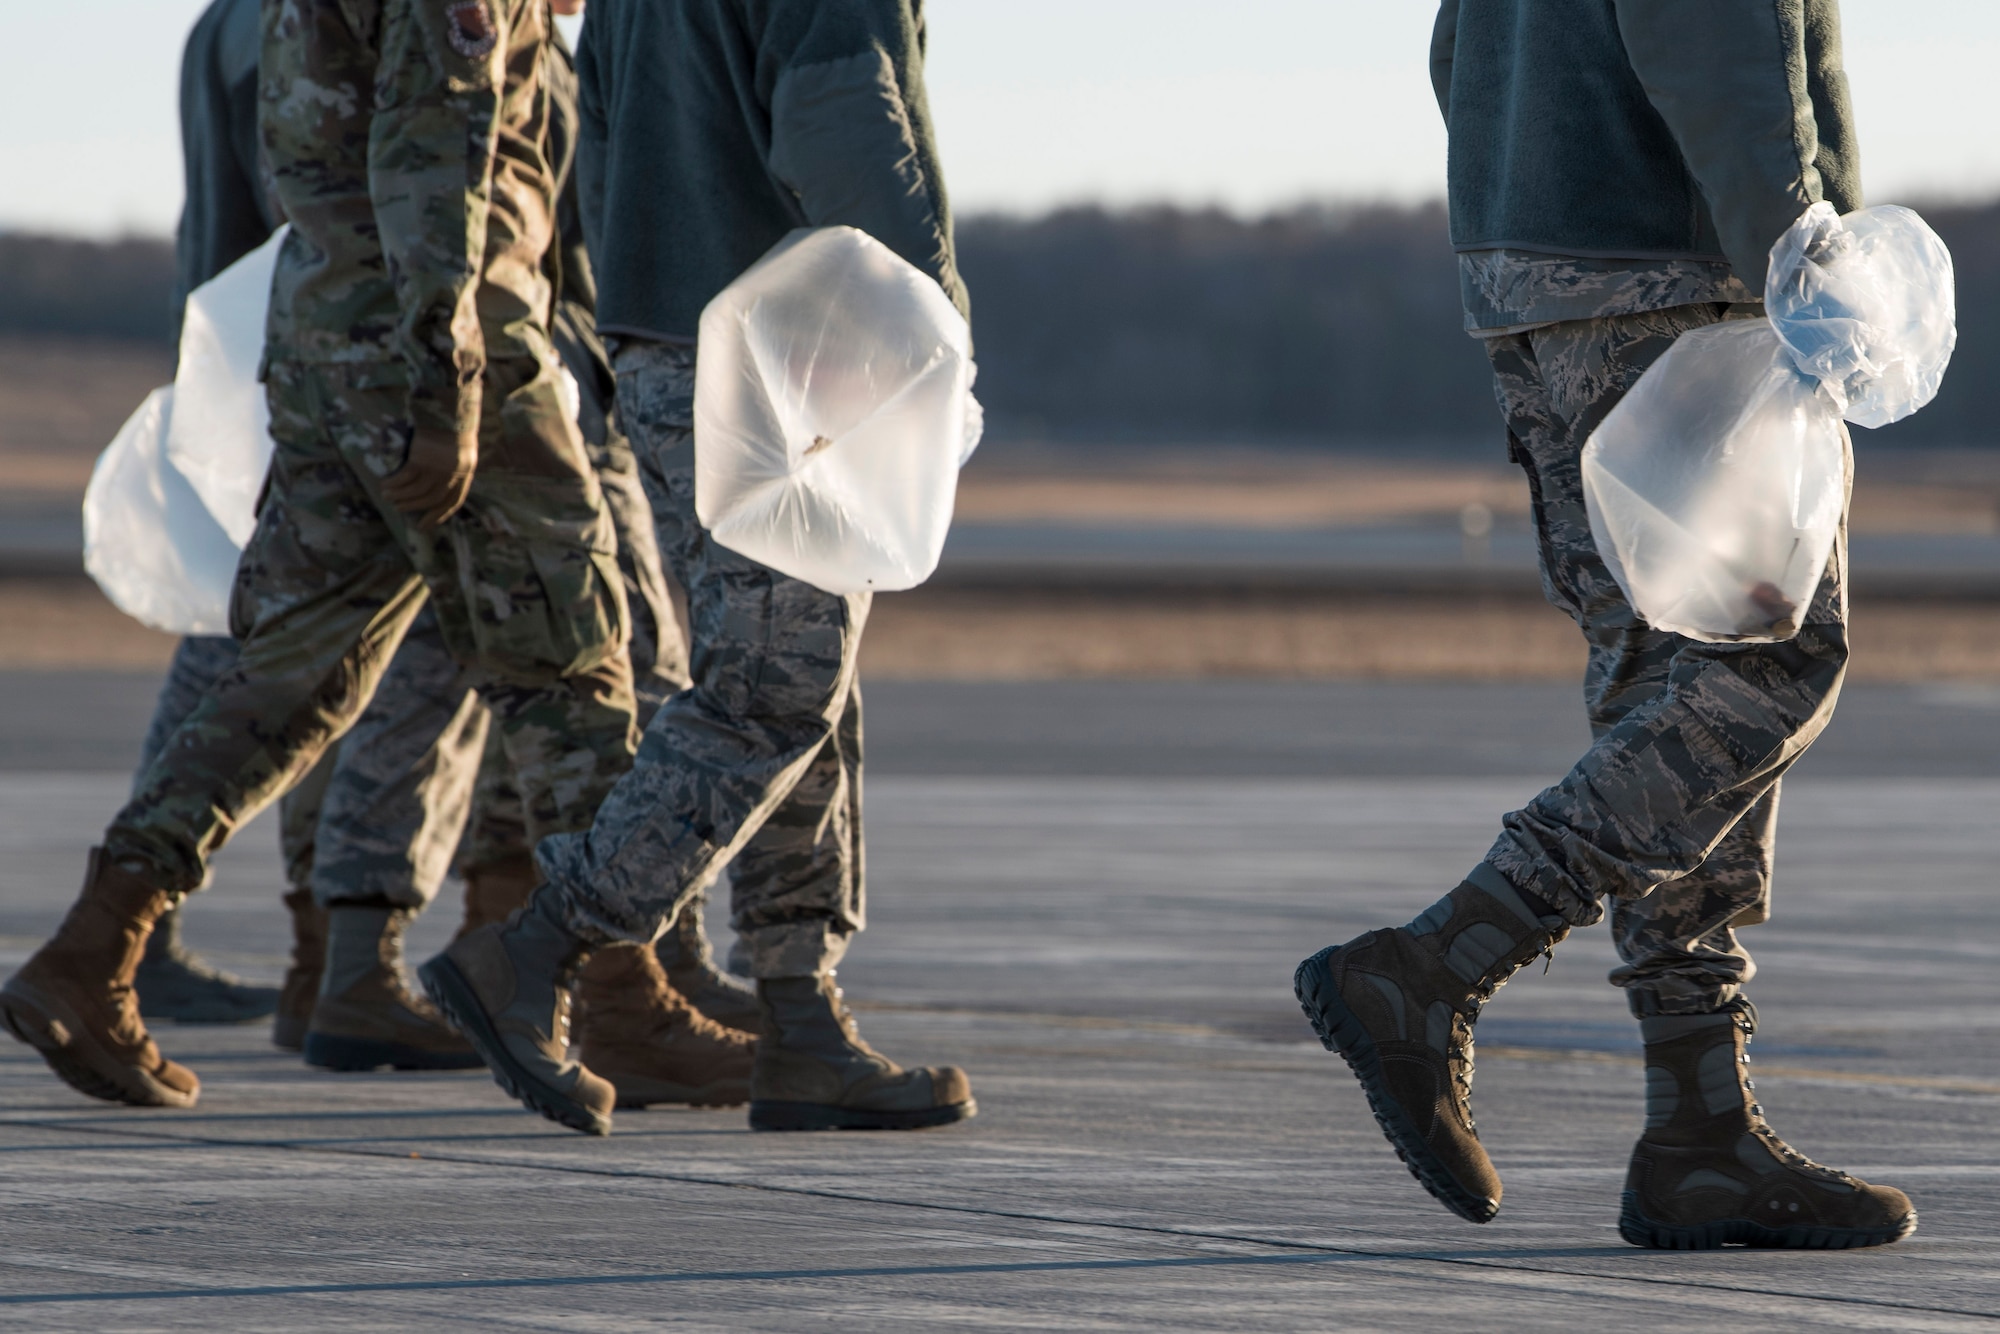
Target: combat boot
{"points": [[495, 890], [73, 1001], [175, 983], [507, 989], [366, 1016], [1399, 1006], [640, 1033], [689, 959], [1709, 1171], [813, 1071], [302, 978]]}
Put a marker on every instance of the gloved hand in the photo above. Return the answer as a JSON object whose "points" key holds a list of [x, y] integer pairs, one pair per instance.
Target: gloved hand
{"points": [[433, 482]]}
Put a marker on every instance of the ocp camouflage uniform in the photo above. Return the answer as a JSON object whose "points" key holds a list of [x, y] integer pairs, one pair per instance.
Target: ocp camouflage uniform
{"points": [[1672, 813], [414, 290]]}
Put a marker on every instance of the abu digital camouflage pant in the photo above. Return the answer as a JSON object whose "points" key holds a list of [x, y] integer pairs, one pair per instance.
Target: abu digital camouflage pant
{"points": [[1672, 812], [524, 582], [757, 765]]}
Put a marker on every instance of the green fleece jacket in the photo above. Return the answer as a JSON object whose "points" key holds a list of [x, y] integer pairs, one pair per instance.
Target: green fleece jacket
{"points": [[711, 128], [1643, 129]]}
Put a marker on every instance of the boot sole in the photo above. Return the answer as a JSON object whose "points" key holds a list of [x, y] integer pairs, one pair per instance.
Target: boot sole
{"points": [[450, 992], [766, 1115], [1341, 1032], [52, 1029], [1640, 1230], [328, 1051]]}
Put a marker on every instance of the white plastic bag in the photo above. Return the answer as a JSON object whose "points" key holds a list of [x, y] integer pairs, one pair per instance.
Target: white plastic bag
{"points": [[220, 435], [833, 409], [149, 541], [1866, 304], [173, 499], [1716, 487]]}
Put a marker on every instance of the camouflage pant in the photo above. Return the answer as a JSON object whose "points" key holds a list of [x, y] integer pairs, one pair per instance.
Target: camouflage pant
{"points": [[1673, 810], [382, 813], [499, 829], [379, 815], [525, 586], [757, 765]]}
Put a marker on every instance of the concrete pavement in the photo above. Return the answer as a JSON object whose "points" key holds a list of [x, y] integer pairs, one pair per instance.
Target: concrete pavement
{"points": [[1091, 895]]}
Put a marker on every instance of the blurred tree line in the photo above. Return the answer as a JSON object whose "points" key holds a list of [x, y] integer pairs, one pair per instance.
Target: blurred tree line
{"points": [[1318, 326]]}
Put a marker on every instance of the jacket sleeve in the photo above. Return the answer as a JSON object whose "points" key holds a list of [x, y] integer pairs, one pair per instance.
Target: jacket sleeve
{"points": [[431, 153], [851, 133], [1732, 81], [1444, 47]]}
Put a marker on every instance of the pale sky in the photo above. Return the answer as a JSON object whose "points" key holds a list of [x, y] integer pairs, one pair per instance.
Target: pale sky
{"points": [[1252, 104]]}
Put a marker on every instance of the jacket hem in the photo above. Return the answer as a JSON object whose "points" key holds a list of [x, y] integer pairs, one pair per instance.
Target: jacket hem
{"points": [[1579, 252], [640, 331]]}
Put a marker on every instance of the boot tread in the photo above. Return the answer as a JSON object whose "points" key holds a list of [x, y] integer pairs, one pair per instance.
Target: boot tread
{"points": [[454, 997]]}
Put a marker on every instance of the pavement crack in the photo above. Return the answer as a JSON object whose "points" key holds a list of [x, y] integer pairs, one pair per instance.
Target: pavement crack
{"points": [[1486, 1263]]}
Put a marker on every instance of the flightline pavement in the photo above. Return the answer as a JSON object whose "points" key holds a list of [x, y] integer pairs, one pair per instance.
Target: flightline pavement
{"points": [[1091, 895]]}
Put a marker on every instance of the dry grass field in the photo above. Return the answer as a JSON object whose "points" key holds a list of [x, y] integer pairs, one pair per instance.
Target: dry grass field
{"points": [[57, 624], [60, 402]]}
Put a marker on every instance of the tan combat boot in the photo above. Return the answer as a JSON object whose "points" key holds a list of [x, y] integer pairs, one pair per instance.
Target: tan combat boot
{"points": [[495, 890], [366, 1017], [506, 988], [1399, 1006], [300, 992], [813, 1071], [689, 959], [73, 1001], [1710, 1172], [640, 1033]]}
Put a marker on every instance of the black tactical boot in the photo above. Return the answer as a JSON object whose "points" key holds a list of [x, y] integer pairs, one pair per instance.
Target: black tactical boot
{"points": [[302, 978], [813, 1071], [366, 1017], [507, 989], [689, 959], [1710, 1172], [175, 983], [1399, 1006]]}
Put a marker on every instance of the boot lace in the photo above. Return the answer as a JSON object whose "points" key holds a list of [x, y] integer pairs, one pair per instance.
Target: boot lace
{"points": [[1745, 1015], [1459, 1055]]}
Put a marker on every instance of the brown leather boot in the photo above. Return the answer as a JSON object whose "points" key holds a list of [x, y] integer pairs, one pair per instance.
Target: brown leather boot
{"points": [[1709, 1171], [366, 1017], [506, 987], [689, 958], [1399, 1006], [73, 1001], [495, 890], [640, 1033], [813, 1071], [301, 989]]}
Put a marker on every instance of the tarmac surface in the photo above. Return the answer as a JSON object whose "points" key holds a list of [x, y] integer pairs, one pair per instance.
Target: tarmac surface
{"points": [[1091, 895]]}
